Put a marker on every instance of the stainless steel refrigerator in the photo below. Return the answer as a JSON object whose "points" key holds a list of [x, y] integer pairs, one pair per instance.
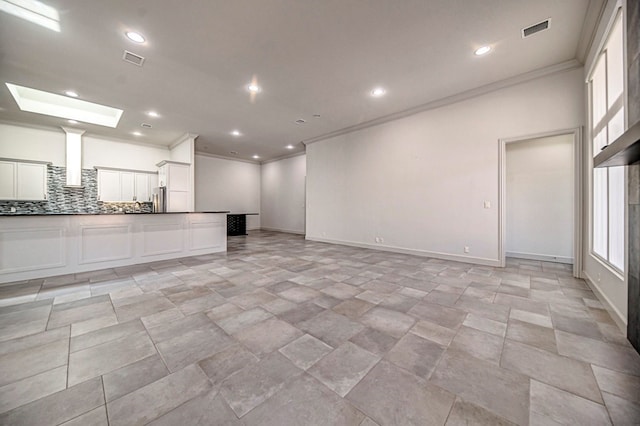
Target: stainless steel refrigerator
{"points": [[160, 199]]}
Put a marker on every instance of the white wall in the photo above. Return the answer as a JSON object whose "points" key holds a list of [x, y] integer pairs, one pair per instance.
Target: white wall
{"points": [[419, 182], [283, 194], [119, 154], [539, 199], [228, 185], [26, 143]]}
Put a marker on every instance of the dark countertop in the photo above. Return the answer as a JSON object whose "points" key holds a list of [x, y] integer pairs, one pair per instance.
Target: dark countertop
{"points": [[106, 214]]}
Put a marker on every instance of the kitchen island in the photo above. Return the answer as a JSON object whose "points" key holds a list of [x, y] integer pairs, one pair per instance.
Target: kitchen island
{"points": [[43, 245]]}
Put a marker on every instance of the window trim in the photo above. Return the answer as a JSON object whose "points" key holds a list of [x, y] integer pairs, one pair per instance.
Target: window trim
{"points": [[619, 12]]}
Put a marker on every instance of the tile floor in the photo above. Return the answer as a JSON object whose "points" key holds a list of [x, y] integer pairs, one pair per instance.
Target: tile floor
{"points": [[282, 331]]}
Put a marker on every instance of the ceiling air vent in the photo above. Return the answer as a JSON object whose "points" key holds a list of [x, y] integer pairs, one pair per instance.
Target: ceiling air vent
{"points": [[300, 121], [133, 58], [146, 125], [536, 28]]}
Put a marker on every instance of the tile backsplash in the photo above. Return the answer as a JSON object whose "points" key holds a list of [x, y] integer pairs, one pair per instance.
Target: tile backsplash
{"points": [[62, 199]]}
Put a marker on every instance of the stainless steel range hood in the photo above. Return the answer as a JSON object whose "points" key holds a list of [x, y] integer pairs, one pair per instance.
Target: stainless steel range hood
{"points": [[623, 151]]}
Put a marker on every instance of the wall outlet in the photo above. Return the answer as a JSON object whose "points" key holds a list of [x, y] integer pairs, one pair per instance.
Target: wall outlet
{"points": [[598, 278], [324, 234], [466, 249], [487, 204], [379, 240]]}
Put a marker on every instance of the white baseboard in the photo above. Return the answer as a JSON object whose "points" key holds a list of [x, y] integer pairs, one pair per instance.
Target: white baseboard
{"points": [[617, 316], [287, 231], [542, 257], [422, 253]]}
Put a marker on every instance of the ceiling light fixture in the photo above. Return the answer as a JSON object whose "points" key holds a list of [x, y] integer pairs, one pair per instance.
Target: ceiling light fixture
{"points": [[153, 114], [136, 133], [71, 93], [135, 37], [289, 147], [256, 156], [378, 92], [72, 121], [254, 88], [482, 50], [236, 133]]}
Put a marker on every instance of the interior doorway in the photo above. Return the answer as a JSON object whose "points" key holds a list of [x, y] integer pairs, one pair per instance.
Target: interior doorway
{"points": [[540, 207]]}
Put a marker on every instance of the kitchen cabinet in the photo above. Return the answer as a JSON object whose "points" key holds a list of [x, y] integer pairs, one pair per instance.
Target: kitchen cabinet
{"points": [[32, 181], [109, 185], [125, 185], [177, 178], [143, 187], [24, 181], [7, 180]]}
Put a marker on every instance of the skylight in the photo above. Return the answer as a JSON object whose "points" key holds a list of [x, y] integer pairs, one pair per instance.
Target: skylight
{"points": [[33, 11], [33, 100]]}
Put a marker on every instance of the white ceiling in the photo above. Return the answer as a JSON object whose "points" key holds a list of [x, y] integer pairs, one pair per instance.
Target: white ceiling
{"points": [[310, 57]]}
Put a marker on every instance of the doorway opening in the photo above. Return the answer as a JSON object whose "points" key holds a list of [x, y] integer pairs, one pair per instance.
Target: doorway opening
{"points": [[540, 200]]}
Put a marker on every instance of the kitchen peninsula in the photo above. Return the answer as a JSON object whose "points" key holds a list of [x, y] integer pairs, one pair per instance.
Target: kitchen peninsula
{"points": [[43, 245]]}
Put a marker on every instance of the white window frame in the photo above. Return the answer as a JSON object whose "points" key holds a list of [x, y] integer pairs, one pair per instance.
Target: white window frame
{"points": [[618, 14]]}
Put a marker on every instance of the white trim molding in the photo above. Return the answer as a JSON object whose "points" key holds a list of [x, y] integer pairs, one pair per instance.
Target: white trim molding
{"points": [[415, 252], [577, 193]]}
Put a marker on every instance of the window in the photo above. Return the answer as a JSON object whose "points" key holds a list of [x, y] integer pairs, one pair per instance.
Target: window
{"points": [[606, 88]]}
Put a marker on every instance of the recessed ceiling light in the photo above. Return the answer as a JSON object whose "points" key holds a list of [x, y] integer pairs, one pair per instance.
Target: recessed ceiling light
{"points": [[256, 156], [316, 115], [136, 133], [482, 50], [134, 36], [71, 93], [289, 147], [72, 121], [236, 133], [233, 152], [55, 105], [301, 121], [254, 88], [153, 114], [378, 92]]}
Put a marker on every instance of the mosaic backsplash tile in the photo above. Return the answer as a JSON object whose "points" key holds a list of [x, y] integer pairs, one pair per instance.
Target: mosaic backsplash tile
{"points": [[63, 199]]}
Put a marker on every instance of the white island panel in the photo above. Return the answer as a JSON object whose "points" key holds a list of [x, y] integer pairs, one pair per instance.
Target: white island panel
{"points": [[28, 249], [207, 234], [102, 243], [162, 238], [42, 246]]}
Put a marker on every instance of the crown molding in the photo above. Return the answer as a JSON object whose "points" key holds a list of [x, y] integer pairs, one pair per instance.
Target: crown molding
{"points": [[222, 157], [182, 139], [449, 100], [284, 157], [595, 11]]}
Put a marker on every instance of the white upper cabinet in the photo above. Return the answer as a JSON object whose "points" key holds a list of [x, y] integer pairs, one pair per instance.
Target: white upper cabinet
{"points": [[125, 185], [8, 180], [32, 181], [143, 187], [23, 181], [109, 185]]}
